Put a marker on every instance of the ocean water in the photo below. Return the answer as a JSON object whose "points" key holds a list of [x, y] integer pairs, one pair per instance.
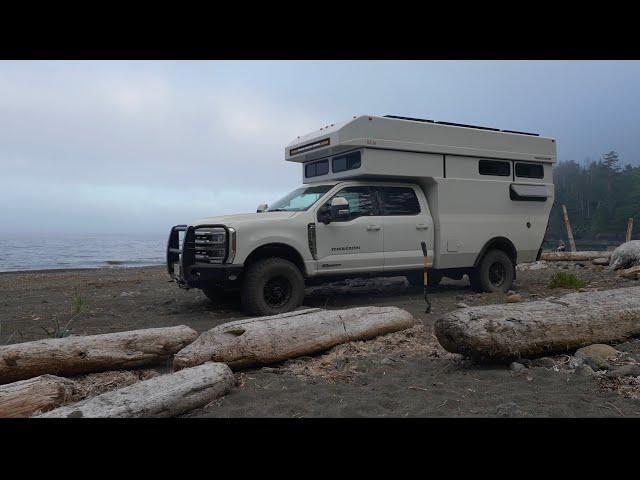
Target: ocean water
{"points": [[55, 251]]}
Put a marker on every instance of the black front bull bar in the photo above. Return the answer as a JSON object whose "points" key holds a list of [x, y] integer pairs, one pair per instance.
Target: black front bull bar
{"points": [[190, 273]]}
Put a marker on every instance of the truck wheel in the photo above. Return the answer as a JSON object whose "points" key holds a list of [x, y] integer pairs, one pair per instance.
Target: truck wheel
{"points": [[416, 279], [272, 286], [495, 273]]}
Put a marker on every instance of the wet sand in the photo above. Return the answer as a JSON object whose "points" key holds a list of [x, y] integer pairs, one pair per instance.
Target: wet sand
{"points": [[400, 375]]}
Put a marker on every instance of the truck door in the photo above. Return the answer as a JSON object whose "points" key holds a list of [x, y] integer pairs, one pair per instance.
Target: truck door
{"points": [[407, 222], [355, 243]]}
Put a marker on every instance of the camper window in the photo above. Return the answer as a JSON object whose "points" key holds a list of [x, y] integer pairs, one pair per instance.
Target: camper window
{"points": [[399, 201], [316, 169], [529, 170], [351, 161], [494, 167]]}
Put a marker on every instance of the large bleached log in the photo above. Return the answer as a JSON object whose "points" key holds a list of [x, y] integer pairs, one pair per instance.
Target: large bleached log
{"points": [[162, 396], [76, 355], [573, 256], [265, 340], [39, 394], [546, 326]]}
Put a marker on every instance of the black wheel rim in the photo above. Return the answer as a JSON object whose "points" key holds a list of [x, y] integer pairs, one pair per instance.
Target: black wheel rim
{"points": [[277, 291], [497, 274]]}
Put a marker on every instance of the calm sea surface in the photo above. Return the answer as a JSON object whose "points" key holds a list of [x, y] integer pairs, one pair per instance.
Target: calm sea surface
{"points": [[44, 252]]}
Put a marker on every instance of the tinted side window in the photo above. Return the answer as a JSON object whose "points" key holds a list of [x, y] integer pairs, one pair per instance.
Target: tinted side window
{"points": [[399, 201], [316, 169], [529, 170], [361, 203], [494, 167], [349, 161]]}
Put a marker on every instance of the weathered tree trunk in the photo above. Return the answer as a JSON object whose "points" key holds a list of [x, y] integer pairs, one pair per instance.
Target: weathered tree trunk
{"points": [[76, 355], [573, 256], [265, 340], [162, 396], [39, 394], [569, 230], [546, 326]]}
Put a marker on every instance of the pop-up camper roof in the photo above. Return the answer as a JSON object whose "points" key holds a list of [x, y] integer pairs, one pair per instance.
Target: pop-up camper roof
{"points": [[424, 136]]}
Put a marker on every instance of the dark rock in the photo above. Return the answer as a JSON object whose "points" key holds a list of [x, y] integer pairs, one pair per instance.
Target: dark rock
{"points": [[624, 371], [517, 367], [584, 371], [545, 362]]}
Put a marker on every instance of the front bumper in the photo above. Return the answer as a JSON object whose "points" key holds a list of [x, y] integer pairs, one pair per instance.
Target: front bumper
{"points": [[187, 272]]}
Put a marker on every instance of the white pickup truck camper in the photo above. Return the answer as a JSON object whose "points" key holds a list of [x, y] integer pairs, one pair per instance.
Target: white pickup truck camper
{"points": [[373, 189]]}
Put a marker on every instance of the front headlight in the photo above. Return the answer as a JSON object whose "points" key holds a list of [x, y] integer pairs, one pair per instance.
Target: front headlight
{"points": [[210, 245]]}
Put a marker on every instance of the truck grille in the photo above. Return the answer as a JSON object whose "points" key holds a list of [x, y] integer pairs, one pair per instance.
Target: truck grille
{"points": [[210, 245]]}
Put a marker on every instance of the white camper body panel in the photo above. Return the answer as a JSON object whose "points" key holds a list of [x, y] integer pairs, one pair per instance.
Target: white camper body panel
{"points": [[467, 209]]}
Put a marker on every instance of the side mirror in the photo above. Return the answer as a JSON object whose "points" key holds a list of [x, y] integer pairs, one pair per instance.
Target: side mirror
{"points": [[262, 208], [339, 208]]}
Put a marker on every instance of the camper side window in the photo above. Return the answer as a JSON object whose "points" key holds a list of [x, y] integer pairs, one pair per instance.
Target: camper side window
{"points": [[316, 169], [350, 161], [494, 167], [529, 170]]}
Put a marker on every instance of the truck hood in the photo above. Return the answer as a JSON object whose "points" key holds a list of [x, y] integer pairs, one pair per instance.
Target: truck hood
{"points": [[238, 219]]}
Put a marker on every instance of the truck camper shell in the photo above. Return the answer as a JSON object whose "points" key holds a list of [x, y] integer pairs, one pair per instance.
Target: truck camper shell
{"points": [[403, 147], [481, 183]]}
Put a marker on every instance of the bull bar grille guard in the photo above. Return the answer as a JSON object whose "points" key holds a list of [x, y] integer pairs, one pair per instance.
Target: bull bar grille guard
{"points": [[184, 255]]}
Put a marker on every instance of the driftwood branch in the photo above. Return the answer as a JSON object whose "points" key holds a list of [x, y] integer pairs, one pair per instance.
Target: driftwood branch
{"points": [[39, 394], [265, 340], [538, 328], [573, 256], [77, 355], [162, 396]]}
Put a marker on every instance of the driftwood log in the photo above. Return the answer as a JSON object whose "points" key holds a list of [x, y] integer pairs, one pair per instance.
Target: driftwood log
{"points": [[265, 340], [39, 394], [538, 328], [162, 396], [573, 256], [76, 355]]}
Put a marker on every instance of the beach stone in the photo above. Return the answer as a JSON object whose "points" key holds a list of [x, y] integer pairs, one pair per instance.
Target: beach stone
{"points": [[624, 371], [515, 298], [626, 255], [462, 305], [597, 355], [600, 261], [516, 367], [546, 362], [584, 371]]}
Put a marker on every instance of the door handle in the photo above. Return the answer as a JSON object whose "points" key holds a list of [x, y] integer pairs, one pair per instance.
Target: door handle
{"points": [[422, 226], [373, 227]]}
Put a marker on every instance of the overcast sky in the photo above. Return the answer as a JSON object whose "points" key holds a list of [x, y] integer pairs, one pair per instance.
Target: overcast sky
{"points": [[140, 146]]}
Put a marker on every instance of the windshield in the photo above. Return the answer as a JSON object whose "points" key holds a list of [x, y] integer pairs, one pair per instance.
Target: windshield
{"points": [[300, 199]]}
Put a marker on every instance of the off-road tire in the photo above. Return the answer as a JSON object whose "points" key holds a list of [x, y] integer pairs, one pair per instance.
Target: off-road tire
{"points": [[494, 273], [264, 279], [416, 279]]}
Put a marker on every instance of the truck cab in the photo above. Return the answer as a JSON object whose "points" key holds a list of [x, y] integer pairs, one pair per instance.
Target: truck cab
{"points": [[366, 204]]}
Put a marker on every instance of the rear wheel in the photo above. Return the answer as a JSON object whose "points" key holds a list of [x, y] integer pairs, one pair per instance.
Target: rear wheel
{"points": [[272, 286], [495, 273]]}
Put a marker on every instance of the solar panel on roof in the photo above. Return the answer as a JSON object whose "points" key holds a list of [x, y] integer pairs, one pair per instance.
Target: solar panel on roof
{"points": [[461, 125]]}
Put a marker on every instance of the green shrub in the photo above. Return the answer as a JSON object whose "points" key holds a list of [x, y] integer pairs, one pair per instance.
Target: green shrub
{"points": [[566, 280]]}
